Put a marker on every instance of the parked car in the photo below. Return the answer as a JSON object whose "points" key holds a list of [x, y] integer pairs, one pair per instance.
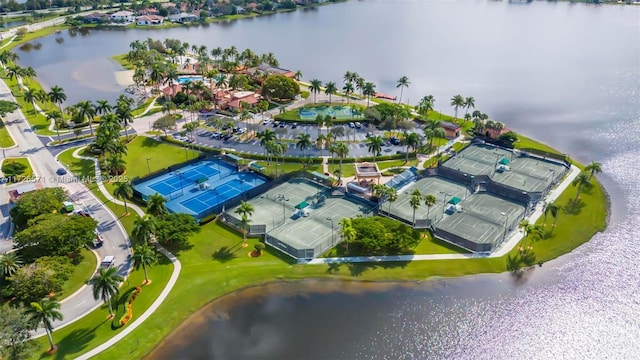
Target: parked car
{"points": [[394, 140], [215, 135], [358, 125], [108, 261], [294, 125], [352, 125], [242, 131], [227, 136], [205, 133], [369, 134], [283, 124], [276, 123], [266, 121]]}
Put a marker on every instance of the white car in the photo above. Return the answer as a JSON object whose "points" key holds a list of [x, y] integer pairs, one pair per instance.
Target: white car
{"points": [[108, 261], [266, 121], [242, 131]]}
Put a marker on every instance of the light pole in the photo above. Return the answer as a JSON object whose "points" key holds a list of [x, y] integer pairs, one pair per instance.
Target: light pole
{"points": [[180, 176], [333, 241], [506, 220], [444, 204], [277, 168], [148, 166], [186, 154]]}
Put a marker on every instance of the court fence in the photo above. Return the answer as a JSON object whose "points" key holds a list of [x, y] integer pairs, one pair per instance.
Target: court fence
{"points": [[460, 241]]}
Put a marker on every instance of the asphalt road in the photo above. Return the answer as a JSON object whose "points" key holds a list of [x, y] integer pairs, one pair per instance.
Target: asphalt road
{"points": [[44, 164]]}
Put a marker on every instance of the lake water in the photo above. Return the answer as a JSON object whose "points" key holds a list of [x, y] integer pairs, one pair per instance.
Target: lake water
{"points": [[566, 74]]}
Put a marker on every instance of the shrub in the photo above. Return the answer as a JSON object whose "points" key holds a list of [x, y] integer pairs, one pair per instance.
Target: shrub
{"points": [[124, 313], [12, 168], [259, 247]]}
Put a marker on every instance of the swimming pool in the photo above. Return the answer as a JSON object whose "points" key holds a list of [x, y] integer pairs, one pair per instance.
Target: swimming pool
{"points": [[337, 112], [200, 188], [189, 78]]}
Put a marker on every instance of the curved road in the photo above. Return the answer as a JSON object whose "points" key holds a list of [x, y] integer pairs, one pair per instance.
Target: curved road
{"points": [[116, 241]]}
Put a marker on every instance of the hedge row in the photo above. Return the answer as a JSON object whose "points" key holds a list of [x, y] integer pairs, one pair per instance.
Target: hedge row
{"points": [[124, 313]]}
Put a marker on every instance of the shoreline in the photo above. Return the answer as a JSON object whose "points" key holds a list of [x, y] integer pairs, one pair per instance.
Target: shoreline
{"points": [[364, 283]]}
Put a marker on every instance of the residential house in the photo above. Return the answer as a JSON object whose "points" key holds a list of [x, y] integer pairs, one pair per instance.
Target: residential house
{"points": [[182, 18], [171, 91], [493, 133], [123, 16], [240, 10], [272, 71], [149, 11], [96, 18], [149, 20], [235, 100], [252, 6], [451, 130]]}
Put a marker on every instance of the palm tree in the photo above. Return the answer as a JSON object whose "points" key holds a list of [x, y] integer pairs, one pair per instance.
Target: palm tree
{"points": [[581, 181], [415, 201], [143, 229], [315, 87], [555, 212], [143, 255], [369, 90], [469, 102], [532, 231], [123, 190], [410, 140], [348, 77], [103, 107], [45, 312], [106, 284], [9, 264], [330, 89], [58, 120], [341, 150], [593, 168], [430, 201], [245, 210], [86, 110], [402, 83], [57, 96], [298, 75], [457, 102], [374, 145], [348, 89], [391, 194], [426, 104], [156, 205], [347, 231], [30, 96], [320, 143], [266, 138], [303, 142]]}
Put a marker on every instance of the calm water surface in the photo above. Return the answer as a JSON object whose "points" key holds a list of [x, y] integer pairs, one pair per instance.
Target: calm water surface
{"points": [[566, 74]]}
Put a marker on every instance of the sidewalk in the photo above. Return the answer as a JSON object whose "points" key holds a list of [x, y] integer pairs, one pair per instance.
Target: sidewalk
{"points": [[177, 267]]}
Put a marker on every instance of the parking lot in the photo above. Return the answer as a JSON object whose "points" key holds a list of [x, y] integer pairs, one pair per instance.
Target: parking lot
{"points": [[287, 132]]}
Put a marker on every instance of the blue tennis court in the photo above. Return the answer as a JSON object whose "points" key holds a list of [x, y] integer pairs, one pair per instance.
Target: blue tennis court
{"points": [[214, 197], [180, 180], [200, 188]]}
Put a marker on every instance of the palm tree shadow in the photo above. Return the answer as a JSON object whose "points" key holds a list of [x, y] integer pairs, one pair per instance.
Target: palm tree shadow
{"points": [[75, 342], [224, 254], [334, 268], [574, 207]]}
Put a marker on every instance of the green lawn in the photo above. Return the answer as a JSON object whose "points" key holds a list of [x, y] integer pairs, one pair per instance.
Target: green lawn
{"points": [[5, 139], [94, 329], [81, 273], [382, 165], [217, 265], [347, 168], [28, 172], [140, 109], [122, 60], [270, 168]]}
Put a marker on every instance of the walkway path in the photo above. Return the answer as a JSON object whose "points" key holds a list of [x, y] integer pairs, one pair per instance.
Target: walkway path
{"points": [[167, 289], [504, 249]]}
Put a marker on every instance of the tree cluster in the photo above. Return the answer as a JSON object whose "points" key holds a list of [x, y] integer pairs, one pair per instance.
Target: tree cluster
{"points": [[35, 203], [43, 277], [280, 87], [382, 236]]}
